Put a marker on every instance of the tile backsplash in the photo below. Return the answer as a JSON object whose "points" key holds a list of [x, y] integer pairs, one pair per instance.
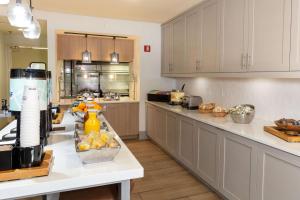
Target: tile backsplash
{"points": [[273, 98]]}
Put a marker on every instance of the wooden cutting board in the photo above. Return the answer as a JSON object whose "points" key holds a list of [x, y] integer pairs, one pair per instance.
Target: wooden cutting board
{"points": [[25, 173], [281, 134]]}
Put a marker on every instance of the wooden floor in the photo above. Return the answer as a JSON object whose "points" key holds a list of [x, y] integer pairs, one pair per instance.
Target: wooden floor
{"points": [[164, 178]]}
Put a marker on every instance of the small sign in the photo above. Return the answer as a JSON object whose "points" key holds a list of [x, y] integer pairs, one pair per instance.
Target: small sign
{"points": [[147, 48]]}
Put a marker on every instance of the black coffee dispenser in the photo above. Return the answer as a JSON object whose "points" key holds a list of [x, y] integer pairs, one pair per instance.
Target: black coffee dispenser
{"points": [[30, 156]]}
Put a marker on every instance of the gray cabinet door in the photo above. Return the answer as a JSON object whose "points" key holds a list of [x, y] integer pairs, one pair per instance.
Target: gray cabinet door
{"points": [[150, 116], [187, 145], [160, 126], [178, 45], [210, 36], [172, 126], [233, 35], [279, 175], [269, 35], [166, 48], [238, 167], [193, 38], [208, 146]]}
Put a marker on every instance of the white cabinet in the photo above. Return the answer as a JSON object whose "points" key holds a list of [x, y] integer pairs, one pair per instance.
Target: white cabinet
{"points": [[172, 134], [238, 165], [193, 41], [279, 175], [269, 35], [187, 145], [233, 35], [150, 121], [295, 36], [178, 45], [210, 36], [166, 48], [207, 145]]}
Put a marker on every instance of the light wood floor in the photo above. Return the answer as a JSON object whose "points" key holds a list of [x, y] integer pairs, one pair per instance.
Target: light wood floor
{"points": [[164, 178]]}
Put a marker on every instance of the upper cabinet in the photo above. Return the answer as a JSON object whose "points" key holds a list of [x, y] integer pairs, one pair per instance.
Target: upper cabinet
{"points": [[70, 47], [234, 37], [166, 47]]}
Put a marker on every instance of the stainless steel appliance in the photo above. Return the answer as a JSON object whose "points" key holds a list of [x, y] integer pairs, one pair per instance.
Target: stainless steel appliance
{"points": [[191, 102]]}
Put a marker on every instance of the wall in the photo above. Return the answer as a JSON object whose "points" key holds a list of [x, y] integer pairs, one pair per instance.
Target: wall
{"points": [[273, 98], [3, 68], [147, 33], [21, 58]]}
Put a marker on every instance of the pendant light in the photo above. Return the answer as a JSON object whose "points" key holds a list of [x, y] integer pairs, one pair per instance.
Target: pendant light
{"points": [[86, 55], [33, 31], [114, 56], [4, 2], [19, 13]]}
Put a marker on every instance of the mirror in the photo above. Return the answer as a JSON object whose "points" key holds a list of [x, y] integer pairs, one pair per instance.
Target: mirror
{"points": [[19, 52]]}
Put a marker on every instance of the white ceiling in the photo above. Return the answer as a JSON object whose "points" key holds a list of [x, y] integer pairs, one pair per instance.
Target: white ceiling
{"points": [[141, 10]]}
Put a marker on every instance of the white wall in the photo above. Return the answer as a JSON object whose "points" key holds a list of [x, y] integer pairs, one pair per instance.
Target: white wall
{"points": [[148, 33], [273, 98]]}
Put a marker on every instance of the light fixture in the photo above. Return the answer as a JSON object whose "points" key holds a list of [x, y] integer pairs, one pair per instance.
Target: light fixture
{"points": [[4, 2], [19, 14], [86, 55], [33, 31], [114, 56]]}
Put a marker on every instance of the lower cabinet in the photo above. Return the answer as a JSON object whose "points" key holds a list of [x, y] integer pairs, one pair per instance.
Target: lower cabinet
{"points": [[236, 167], [124, 118]]}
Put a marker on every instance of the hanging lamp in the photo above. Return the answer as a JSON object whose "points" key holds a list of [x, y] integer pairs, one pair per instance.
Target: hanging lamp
{"points": [[19, 14], [86, 55], [4, 2], [33, 31], [114, 56]]}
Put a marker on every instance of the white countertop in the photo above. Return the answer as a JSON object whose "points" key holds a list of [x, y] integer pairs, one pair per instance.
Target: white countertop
{"points": [[253, 131], [68, 172], [67, 102]]}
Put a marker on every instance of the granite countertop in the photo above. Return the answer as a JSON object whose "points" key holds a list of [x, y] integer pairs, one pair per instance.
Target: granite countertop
{"points": [[253, 131], [66, 102]]}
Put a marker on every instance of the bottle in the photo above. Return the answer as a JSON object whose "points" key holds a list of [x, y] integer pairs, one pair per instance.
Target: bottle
{"points": [[93, 123]]}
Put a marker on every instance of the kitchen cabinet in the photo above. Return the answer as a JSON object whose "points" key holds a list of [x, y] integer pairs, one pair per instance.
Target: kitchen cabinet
{"points": [[70, 47], [187, 145], [124, 118], [193, 41], [237, 169], [295, 37], [166, 48], [269, 35], [207, 147], [172, 138], [210, 36], [233, 35], [178, 45]]}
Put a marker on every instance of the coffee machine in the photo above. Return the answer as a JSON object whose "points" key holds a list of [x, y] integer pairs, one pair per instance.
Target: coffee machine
{"points": [[26, 157]]}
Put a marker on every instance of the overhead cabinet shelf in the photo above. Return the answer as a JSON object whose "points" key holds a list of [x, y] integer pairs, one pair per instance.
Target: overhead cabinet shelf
{"points": [[70, 47], [229, 36]]}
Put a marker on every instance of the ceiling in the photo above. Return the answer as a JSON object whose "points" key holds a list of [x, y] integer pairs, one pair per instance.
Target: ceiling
{"points": [[141, 10]]}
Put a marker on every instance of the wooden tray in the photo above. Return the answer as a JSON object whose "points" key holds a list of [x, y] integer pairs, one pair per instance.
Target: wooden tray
{"points": [[281, 134], [58, 119], [42, 170]]}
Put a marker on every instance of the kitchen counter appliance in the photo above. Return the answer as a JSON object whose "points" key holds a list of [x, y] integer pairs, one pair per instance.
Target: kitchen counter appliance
{"points": [[191, 102], [177, 96], [160, 96]]}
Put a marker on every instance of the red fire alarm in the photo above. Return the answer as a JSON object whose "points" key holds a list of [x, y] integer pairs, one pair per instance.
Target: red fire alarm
{"points": [[147, 48]]}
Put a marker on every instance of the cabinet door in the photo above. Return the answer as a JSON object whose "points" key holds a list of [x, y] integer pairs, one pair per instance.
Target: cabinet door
{"points": [[269, 35], [166, 48], [207, 144], [238, 164], [70, 47], [187, 145], [233, 35], [151, 121], [172, 134], [178, 45], [279, 175], [94, 46], [295, 36], [160, 126], [133, 119], [125, 48], [210, 36], [116, 115], [193, 36]]}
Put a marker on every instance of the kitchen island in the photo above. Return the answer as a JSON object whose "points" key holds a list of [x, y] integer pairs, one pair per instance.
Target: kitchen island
{"points": [[69, 173], [239, 161]]}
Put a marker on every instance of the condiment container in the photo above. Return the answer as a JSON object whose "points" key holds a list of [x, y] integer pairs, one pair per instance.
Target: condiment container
{"points": [[6, 156]]}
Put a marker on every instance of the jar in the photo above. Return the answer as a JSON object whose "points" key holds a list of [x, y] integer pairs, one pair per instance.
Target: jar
{"points": [[93, 123]]}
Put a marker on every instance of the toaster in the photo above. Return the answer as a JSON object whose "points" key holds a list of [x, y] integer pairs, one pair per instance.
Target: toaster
{"points": [[191, 102]]}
